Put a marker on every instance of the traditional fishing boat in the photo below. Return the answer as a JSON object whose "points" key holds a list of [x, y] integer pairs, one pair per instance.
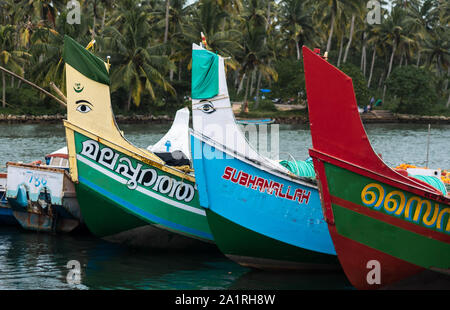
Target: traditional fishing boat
{"points": [[260, 214], [6, 214], [123, 189], [42, 196], [249, 121], [385, 225]]}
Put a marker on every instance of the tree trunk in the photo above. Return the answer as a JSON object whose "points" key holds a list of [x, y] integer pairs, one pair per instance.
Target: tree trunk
{"points": [[298, 50], [331, 32], [129, 102], [258, 87], [247, 88], [341, 47], [380, 82], [241, 85], [418, 59], [363, 55], [448, 101], [371, 66], [446, 81], [394, 48], [352, 28], [171, 72], [93, 28], [3, 90], [166, 30], [252, 83], [103, 20]]}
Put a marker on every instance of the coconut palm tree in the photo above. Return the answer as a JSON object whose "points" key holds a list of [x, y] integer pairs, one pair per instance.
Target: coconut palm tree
{"points": [[138, 64], [256, 54], [296, 24], [9, 58], [330, 11]]}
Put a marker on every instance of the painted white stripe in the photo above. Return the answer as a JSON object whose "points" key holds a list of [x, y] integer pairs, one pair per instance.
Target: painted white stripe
{"points": [[140, 188]]}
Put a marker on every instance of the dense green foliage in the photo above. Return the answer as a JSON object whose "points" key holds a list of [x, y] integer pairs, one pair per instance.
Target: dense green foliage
{"points": [[414, 87], [149, 42]]}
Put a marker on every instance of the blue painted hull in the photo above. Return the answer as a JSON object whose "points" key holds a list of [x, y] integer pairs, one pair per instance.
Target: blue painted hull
{"points": [[265, 206], [6, 215], [60, 221]]}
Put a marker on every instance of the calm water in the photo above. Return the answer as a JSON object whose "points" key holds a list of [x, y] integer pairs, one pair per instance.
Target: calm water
{"points": [[39, 261]]}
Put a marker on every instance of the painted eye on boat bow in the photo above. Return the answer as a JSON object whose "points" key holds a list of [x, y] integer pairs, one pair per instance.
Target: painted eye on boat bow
{"points": [[84, 106], [207, 107]]}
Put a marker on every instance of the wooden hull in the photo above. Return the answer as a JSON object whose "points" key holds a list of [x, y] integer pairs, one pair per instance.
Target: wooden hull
{"points": [[259, 227], [119, 192], [26, 188], [385, 226], [404, 231]]}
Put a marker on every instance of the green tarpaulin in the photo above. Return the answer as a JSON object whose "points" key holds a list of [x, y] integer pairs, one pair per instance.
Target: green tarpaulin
{"points": [[84, 61], [205, 74]]}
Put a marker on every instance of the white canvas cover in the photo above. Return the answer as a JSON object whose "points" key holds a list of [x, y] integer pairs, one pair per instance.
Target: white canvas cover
{"points": [[62, 150], [177, 138]]}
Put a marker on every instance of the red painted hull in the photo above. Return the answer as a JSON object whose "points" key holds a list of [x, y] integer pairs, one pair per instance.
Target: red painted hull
{"points": [[341, 142]]}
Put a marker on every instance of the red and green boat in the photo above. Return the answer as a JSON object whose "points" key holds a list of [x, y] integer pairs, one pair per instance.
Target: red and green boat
{"points": [[385, 225]]}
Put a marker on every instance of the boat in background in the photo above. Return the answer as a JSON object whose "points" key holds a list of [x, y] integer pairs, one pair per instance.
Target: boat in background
{"points": [[386, 226], [262, 121], [126, 194], [42, 196], [6, 214], [260, 214]]}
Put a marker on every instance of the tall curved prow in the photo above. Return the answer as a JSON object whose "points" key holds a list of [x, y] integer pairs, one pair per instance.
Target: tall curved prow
{"points": [[385, 226], [259, 213], [121, 188], [336, 126], [212, 113], [89, 102]]}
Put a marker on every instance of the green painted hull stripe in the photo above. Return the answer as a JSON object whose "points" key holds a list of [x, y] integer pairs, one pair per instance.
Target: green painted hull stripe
{"points": [[400, 243], [146, 215], [140, 189], [233, 239]]}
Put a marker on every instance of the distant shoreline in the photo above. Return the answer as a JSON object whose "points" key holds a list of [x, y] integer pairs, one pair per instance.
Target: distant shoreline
{"points": [[165, 119]]}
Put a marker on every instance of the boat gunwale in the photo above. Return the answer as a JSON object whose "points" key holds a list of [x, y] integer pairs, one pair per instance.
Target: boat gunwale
{"points": [[131, 153], [377, 176], [257, 164]]}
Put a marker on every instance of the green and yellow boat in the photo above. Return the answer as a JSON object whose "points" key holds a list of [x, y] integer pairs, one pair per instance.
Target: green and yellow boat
{"points": [[122, 189]]}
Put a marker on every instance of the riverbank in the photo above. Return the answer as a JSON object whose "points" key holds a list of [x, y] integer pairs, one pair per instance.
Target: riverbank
{"points": [[378, 116], [37, 119]]}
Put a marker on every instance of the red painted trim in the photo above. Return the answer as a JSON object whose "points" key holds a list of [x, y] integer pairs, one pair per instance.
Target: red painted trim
{"points": [[323, 191], [58, 155], [391, 220], [3, 175], [381, 178]]}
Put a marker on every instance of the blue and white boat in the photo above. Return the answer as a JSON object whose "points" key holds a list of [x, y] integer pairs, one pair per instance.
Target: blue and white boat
{"points": [[260, 214]]}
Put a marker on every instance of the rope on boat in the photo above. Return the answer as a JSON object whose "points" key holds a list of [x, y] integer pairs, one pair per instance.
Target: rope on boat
{"points": [[300, 168]]}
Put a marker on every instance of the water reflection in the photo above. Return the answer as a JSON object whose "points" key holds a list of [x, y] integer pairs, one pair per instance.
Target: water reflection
{"points": [[263, 280], [38, 261]]}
